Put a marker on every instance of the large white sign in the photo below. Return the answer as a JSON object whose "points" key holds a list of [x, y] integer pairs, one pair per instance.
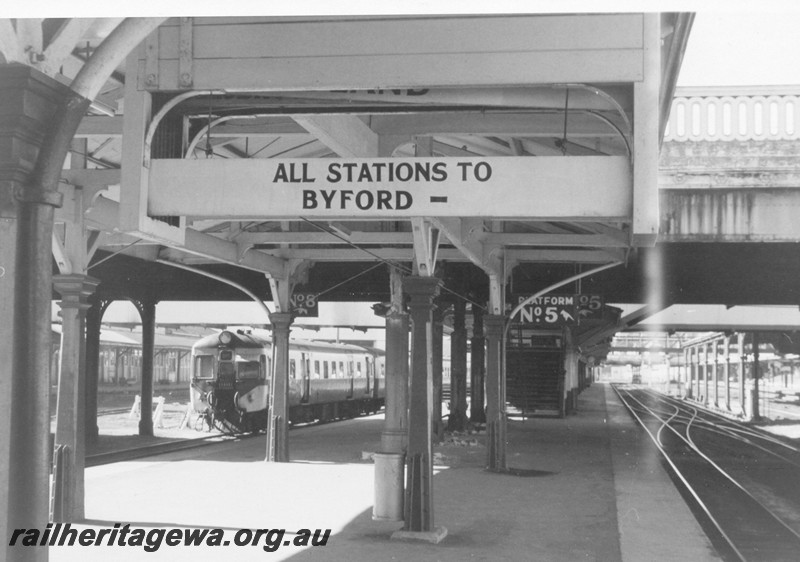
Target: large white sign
{"points": [[588, 187]]}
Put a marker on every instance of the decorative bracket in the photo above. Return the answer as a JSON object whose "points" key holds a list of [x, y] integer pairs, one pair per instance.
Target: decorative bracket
{"points": [[426, 245]]}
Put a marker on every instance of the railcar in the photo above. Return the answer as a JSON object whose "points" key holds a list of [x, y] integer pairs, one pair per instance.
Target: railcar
{"points": [[231, 380]]}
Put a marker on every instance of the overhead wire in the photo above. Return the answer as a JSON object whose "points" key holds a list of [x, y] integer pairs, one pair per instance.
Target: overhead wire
{"points": [[399, 267]]}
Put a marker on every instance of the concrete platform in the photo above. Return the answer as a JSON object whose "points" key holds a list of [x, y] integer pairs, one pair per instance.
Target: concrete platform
{"points": [[587, 487]]}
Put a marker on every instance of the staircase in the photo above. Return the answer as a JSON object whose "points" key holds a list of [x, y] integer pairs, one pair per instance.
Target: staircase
{"points": [[535, 381]]}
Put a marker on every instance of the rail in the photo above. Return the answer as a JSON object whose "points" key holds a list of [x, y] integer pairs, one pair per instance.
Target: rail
{"points": [[719, 464]]}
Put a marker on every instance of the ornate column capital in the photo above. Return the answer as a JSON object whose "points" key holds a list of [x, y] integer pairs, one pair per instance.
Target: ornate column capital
{"points": [[75, 289], [281, 320], [493, 325], [422, 290]]}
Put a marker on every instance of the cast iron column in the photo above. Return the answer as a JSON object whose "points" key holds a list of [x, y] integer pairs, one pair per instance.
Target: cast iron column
{"points": [[277, 432], [68, 497], [458, 369], [437, 326], [715, 349], [495, 398], [147, 310], [756, 377], [705, 374], [395, 429], [38, 118], [727, 372], [477, 413], [419, 468], [93, 320], [742, 372]]}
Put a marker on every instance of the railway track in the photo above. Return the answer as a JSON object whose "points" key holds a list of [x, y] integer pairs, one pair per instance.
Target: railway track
{"points": [[743, 484], [143, 451]]}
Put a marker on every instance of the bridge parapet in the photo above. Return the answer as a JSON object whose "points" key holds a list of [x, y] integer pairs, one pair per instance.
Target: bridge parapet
{"points": [[729, 168], [735, 114]]}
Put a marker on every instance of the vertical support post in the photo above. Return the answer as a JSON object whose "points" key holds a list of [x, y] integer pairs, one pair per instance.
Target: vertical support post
{"points": [[147, 310], [726, 370], [278, 441], [756, 376], [8, 234], [75, 290], [93, 318], [390, 461], [458, 369], [477, 368], [47, 115], [395, 429], [419, 471], [715, 367], [495, 398], [742, 364], [687, 372], [646, 137], [437, 356], [705, 374]]}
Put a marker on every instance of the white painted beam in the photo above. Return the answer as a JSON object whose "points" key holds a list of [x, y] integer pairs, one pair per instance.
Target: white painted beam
{"points": [[646, 137], [347, 135], [420, 52], [63, 43], [9, 43], [540, 239], [100, 126], [355, 237], [29, 36]]}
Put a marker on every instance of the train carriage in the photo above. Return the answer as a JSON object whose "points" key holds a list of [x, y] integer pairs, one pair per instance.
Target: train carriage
{"points": [[231, 378]]}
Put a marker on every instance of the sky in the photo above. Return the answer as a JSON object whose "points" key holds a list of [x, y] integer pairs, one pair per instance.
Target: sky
{"points": [[742, 49]]}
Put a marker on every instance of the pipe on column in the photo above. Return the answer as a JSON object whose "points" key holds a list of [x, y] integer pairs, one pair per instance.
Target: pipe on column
{"points": [[28, 476], [395, 432]]}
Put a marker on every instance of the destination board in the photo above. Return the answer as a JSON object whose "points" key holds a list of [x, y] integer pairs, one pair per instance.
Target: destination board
{"points": [[582, 187]]}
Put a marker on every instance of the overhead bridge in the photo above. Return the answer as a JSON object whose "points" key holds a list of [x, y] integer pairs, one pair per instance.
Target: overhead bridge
{"points": [[729, 169]]}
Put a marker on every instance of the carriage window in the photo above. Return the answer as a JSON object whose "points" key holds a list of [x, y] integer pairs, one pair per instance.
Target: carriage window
{"points": [[358, 368], [325, 369], [226, 355], [350, 368], [341, 369], [204, 367], [333, 369], [263, 361], [248, 369], [316, 369], [292, 369]]}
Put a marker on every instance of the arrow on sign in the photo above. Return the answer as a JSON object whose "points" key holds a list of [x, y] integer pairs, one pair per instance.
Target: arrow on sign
{"points": [[566, 316]]}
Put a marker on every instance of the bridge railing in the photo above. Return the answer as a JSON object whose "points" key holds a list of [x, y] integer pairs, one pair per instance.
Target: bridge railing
{"points": [[728, 114]]}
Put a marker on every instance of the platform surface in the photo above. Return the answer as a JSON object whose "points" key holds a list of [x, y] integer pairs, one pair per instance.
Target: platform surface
{"points": [[587, 487]]}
